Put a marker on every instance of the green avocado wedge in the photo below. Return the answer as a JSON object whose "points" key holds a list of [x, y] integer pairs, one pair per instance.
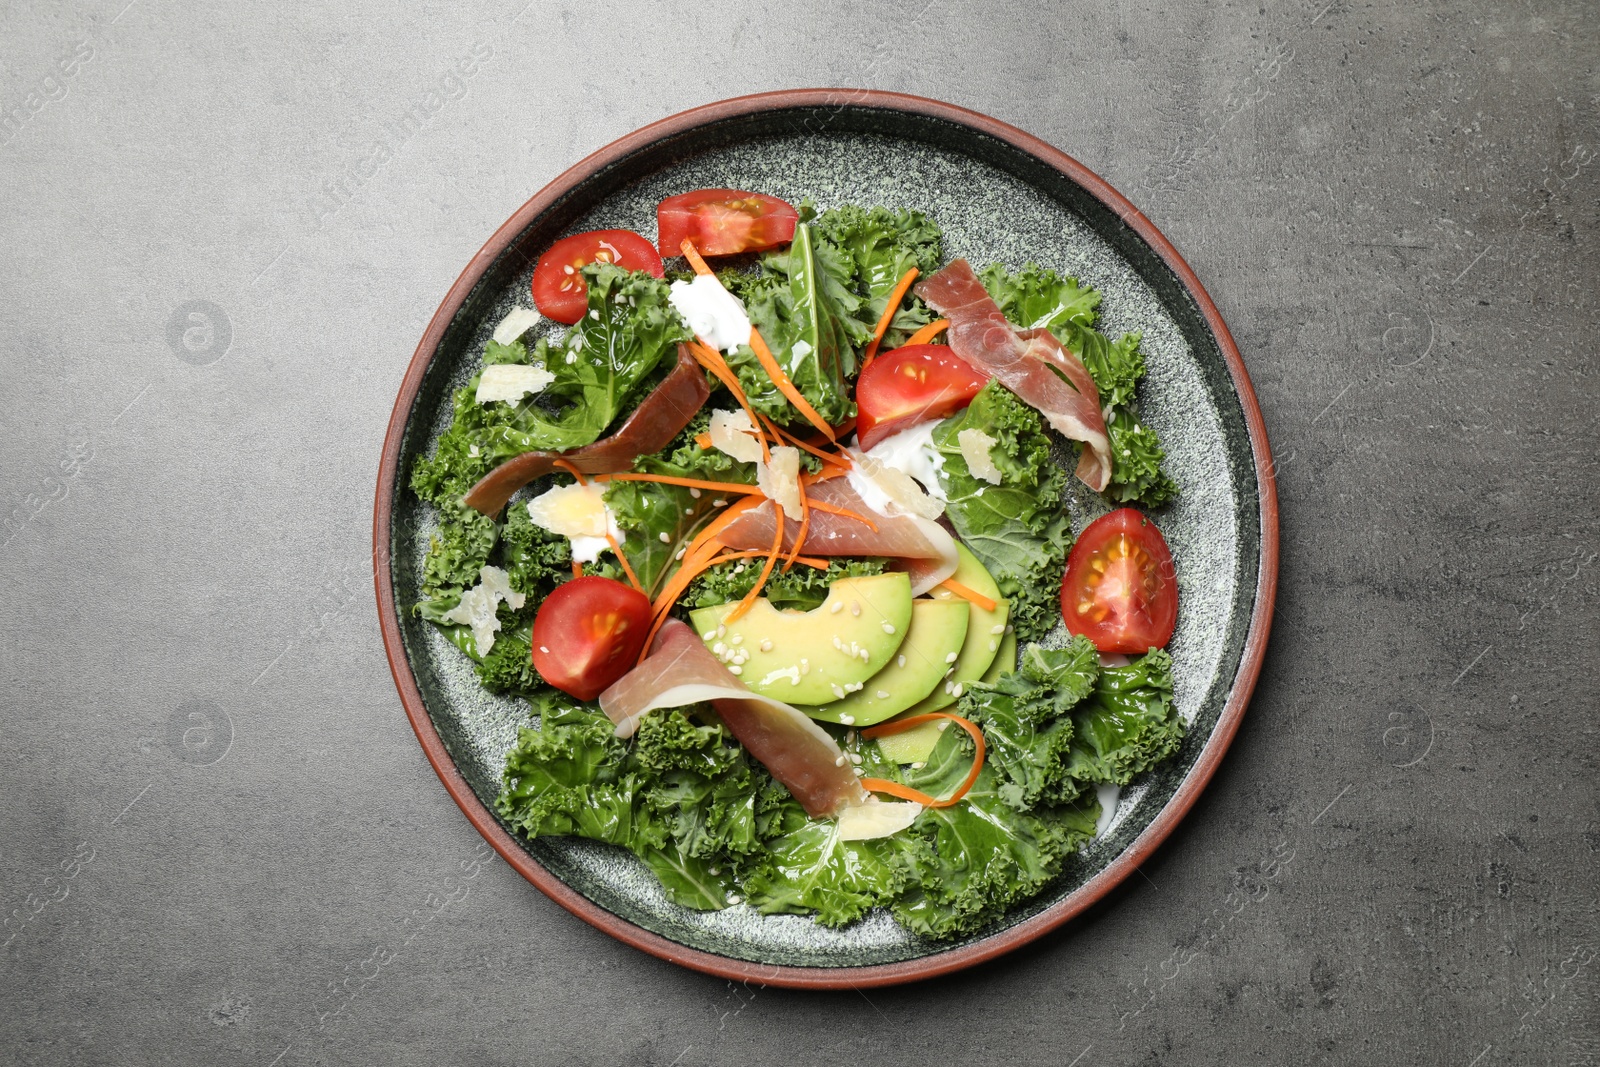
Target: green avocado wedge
{"points": [[934, 641], [983, 633], [916, 744], [811, 657]]}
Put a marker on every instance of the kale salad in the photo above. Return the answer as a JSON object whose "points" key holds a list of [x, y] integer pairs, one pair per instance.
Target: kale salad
{"points": [[775, 548]]}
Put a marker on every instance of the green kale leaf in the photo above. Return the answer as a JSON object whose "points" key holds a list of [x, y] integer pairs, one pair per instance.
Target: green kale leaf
{"points": [[1017, 528], [880, 246], [1128, 725], [801, 588]]}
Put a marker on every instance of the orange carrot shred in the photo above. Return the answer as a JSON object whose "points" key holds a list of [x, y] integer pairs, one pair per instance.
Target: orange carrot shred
{"points": [[577, 569], [968, 594], [693, 256], [703, 440], [712, 360], [737, 488], [805, 527], [895, 726], [766, 572], [780, 434], [570, 469], [633, 579], [927, 333], [897, 295], [785, 386], [834, 509]]}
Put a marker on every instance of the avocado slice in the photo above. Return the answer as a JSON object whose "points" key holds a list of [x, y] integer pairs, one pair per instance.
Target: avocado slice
{"points": [[810, 657], [983, 640], [938, 632], [916, 744]]}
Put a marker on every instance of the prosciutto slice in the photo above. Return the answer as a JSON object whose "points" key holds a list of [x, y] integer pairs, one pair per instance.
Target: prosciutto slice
{"points": [[1026, 362], [927, 551], [799, 753], [659, 418]]}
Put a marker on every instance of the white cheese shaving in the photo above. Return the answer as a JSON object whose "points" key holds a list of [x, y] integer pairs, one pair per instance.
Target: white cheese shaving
{"points": [[477, 609], [913, 452], [876, 818], [735, 434], [578, 513], [779, 479], [975, 446], [714, 314], [518, 321], [511, 381], [889, 491]]}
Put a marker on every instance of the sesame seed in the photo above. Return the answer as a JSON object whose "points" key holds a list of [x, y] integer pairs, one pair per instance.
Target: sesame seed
{"points": [[882, 694], [686, 511], [837, 607], [736, 669], [679, 554], [693, 492], [847, 720], [888, 627], [866, 657], [951, 658], [766, 645], [722, 630], [855, 608], [918, 766], [998, 628], [719, 648], [840, 762], [546, 651], [733, 898], [719, 503], [861, 772], [838, 693], [736, 639], [994, 646], [855, 757], [900, 659], [957, 689], [666, 539]]}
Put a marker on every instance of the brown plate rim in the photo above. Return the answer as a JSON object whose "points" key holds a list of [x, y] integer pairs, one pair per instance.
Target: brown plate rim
{"points": [[940, 963]]}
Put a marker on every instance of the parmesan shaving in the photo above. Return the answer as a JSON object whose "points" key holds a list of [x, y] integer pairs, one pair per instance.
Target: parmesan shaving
{"points": [[888, 491], [518, 321], [780, 479], [975, 446], [478, 607], [578, 513], [511, 381], [735, 434], [876, 818]]}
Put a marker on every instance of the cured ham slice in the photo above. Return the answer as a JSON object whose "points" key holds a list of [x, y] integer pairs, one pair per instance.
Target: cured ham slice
{"points": [[928, 552], [659, 418], [681, 670], [1026, 362]]}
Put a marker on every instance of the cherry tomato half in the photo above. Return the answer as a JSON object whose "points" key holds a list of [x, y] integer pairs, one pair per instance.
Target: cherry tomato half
{"points": [[721, 222], [559, 291], [1120, 590], [909, 385], [588, 633]]}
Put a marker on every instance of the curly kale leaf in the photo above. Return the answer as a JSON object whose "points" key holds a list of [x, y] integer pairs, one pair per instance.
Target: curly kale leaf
{"points": [[1017, 528], [1128, 725], [1035, 298], [535, 559], [880, 246], [1026, 722], [812, 870], [972, 861]]}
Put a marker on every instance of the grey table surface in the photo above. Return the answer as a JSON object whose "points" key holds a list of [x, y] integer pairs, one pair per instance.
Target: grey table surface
{"points": [[217, 821]]}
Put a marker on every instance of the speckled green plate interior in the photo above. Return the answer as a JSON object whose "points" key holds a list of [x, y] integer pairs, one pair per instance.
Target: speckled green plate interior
{"points": [[995, 203]]}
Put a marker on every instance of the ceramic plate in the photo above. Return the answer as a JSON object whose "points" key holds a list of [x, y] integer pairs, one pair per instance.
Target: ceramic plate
{"points": [[999, 194]]}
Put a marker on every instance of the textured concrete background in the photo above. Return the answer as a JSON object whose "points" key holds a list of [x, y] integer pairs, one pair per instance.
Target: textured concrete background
{"points": [[220, 841]]}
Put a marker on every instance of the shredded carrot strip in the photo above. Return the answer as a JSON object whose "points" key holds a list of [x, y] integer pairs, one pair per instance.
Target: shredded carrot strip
{"points": [[766, 572], [570, 469], [577, 569], [927, 333], [736, 488], [712, 360], [703, 440], [968, 594], [805, 527], [878, 785], [785, 386], [633, 579], [824, 475], [779, 434], [834, 509], [887, 317], [696, 557], [693, 256]]}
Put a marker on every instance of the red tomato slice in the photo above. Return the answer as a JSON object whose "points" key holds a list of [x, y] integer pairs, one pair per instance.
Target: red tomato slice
{"points": [[559, 291], [910, 385], [721, 222], [588, 633], [1120, 590]]}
